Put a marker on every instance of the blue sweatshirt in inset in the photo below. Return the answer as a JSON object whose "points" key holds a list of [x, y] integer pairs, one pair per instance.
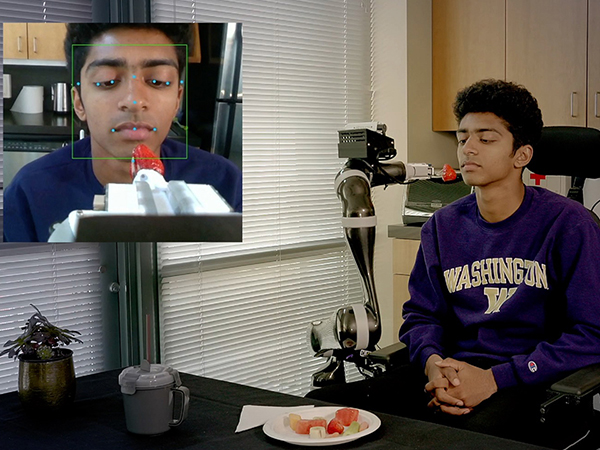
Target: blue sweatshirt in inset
{"points": [[46, 190]]}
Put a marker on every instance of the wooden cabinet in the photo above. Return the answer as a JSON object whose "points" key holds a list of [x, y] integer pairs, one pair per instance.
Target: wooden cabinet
{"points": [[594, 64], [405, 253], [547, 49], [195, 54], [468, 45], [45, 41], [34, 41], [15, 40]]}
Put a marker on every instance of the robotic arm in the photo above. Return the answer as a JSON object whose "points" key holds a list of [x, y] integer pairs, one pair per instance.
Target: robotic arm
{"points": [[356, 328]]}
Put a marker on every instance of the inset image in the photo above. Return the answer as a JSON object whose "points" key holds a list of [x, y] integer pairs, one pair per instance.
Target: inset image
{"points": [[122, 132]]}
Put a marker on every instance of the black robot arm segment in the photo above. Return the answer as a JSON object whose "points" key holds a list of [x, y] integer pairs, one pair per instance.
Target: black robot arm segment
{"points": [[369, 150], [353, 187], [398, 173], [355, 326]]}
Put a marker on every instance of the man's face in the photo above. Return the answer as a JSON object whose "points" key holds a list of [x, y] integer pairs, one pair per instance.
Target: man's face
{"points": [[485, 151], [129, 93]]}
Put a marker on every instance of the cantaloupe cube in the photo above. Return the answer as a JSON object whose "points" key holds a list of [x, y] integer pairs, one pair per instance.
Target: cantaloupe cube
{"points": [[294, 418]]}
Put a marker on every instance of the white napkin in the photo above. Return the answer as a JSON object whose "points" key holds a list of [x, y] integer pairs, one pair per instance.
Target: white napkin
{"points": [[254, 416]]}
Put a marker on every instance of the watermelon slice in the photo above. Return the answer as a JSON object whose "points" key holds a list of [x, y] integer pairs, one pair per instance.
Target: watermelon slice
{"points": [[303, 426], [347, 415]]}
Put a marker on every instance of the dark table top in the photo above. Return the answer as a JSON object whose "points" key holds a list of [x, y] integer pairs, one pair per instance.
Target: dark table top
{"points": [[97, 421]]}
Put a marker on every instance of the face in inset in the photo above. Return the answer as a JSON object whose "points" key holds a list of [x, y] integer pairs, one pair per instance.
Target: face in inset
{"points": [[485, 151], [129, 93]]}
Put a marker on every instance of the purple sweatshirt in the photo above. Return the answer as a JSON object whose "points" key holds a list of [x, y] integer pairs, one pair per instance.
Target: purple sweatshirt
{"points": [[523, 293]]}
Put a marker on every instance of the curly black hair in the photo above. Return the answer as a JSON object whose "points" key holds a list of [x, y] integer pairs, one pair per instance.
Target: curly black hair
{"points": [[510, 102], [86, 33]]}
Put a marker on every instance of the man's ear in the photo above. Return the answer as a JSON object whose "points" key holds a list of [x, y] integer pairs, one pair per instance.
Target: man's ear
{"points": [[523, 155], [78, 104], [179, 99]]}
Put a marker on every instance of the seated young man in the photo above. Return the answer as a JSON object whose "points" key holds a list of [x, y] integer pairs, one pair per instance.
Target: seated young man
{"points": [[505, 291], [128, 89]]}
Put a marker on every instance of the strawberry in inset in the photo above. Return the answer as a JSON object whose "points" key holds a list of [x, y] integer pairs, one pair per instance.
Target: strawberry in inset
{"points": [[143, 158]]}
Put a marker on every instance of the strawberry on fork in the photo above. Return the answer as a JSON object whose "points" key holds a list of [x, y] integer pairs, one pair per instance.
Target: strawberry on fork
{"points": [[143, 158], [448, 173]]}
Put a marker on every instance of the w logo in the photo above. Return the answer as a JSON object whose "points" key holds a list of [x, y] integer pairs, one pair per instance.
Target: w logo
{"points": [[496, 297]]}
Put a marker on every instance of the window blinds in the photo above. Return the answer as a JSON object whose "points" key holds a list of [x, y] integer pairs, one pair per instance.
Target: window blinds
{"points": [[63, 281], [46, 10], [240, 311], [305, 74], [249, 324]]}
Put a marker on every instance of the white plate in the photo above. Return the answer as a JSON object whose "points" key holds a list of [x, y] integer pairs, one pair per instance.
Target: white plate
{"points": [[279, 427]]}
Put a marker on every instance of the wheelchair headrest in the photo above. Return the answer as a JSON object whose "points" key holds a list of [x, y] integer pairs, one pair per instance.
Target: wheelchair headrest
{"points": [[569, 151]]}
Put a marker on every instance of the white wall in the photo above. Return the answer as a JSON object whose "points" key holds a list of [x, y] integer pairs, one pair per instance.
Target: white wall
{"points": [[591, 194], [424, 145], [389, 105]]}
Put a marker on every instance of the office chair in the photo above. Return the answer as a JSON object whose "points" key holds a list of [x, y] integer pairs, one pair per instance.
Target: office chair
{"points": [[569, 151], [574, 152]]}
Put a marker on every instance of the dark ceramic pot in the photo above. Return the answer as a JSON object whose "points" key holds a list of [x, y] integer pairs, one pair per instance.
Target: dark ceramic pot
{"points": [[48, 384]]}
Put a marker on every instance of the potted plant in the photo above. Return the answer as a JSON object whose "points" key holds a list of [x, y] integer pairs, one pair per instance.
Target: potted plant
{"points": [[46, 372]]}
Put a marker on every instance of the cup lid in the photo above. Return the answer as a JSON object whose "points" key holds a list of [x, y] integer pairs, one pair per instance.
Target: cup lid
{"points": [[154, 376]]}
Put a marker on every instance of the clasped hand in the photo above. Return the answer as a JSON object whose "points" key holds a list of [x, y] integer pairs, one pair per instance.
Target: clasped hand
{"points": [[457, 387]]}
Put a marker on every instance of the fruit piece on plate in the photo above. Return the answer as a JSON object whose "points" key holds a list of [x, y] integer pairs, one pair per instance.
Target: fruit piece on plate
{"points": [[352, 429], [335, 426], [303, 426], [317, 432], [294, 418], [347, 415], [363, 426], [332, 435]]}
